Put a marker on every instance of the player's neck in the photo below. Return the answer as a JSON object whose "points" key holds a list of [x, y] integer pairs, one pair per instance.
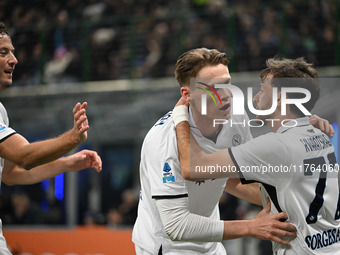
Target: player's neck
{"points": [[206, 127]]}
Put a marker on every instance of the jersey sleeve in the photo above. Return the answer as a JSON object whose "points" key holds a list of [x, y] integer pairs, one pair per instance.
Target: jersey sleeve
{"points": [[263, 159], [5, 130], [163, 167]]}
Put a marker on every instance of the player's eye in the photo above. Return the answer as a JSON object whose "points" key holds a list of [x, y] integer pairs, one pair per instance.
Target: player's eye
{"points": [[4, 52]]}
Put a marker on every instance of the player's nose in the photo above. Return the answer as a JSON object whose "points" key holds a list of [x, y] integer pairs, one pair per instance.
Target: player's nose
{"points": [[13, 60]]}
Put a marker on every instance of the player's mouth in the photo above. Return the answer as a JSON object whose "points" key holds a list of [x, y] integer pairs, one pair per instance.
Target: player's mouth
{"points": [[9, 73], [225, 107]]}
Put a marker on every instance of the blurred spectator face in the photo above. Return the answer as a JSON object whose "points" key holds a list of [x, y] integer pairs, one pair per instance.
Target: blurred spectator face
{"points": [[7, 61], [89, 220], [20, 203], [114, 217], [62, 17], [129, 198]]}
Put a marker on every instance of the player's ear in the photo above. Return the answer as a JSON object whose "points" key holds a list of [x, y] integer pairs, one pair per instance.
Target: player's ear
{"points": [[185, 92]]}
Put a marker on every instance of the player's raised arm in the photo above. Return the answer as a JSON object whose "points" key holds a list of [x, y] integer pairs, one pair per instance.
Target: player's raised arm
{"points": [[192, 157], [15, 175], [18, 150]]}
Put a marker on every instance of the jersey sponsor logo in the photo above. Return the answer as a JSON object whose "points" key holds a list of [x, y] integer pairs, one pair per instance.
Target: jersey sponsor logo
{"points": [[167, 173], [2, 127], [310, 131], [323, 239], [237, 139]]}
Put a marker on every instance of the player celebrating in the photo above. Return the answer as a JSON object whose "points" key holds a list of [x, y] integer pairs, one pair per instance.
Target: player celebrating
{"points": [[310, 195], [173, 209], [18, 155]]}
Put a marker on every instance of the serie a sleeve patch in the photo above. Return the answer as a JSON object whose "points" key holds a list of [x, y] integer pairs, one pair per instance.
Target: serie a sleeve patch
{"points": [[167, 174]]}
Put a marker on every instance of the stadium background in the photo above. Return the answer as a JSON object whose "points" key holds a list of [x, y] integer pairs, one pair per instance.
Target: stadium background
{"points": [[119, 56]]}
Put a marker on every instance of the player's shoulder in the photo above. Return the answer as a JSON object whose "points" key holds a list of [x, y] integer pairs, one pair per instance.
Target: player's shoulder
{"points": [[163, 129], [3, 114], [2, 108], [268, 140]]}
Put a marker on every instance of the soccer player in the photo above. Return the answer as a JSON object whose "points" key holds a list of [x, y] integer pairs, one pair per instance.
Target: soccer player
{"points": [[42, 159], [307, 192], [172, 209]]}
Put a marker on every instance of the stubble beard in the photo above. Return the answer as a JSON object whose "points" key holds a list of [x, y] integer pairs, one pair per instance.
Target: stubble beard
{"points": [[5, 84]]}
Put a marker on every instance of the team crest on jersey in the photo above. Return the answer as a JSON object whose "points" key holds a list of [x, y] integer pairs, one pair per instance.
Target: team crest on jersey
{"points": [[167, 174], [236, 140]]}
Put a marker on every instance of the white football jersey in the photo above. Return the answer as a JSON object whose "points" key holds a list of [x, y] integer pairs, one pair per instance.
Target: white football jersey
{"points": [[298, 170], [5, 132], [161, 178]]}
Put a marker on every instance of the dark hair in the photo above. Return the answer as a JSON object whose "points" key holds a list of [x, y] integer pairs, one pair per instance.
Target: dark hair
{"points": [[289, 68], [191, 62], [3, 29], [305, 76]]}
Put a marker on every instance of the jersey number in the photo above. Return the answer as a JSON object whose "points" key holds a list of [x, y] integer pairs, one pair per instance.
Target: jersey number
{"points": [[318, 200]]}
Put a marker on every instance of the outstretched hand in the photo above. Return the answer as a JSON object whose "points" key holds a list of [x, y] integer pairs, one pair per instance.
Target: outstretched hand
{"points": [[322, 124], [81, 124], [267, 226], [82, 160]]}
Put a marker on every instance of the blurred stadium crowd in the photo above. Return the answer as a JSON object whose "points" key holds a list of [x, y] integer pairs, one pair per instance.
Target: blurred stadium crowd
{"points": [[91, 40]]}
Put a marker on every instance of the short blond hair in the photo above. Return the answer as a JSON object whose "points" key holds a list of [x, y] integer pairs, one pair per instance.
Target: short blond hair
{"points": [[191, 62]]}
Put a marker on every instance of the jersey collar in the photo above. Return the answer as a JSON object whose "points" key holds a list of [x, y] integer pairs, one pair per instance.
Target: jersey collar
{"points": [[299, 122]]}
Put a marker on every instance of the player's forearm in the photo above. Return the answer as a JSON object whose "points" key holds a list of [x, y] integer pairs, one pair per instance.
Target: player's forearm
{"points": [[49, 150], [38, 153], [16, 175], [189, 152], [181, 225], [249, 192], [183, 145], [193, 158], [236, 229]]}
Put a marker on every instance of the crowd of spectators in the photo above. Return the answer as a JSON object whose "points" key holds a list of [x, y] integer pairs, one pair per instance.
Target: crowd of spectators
{"points": [[81, 40]]}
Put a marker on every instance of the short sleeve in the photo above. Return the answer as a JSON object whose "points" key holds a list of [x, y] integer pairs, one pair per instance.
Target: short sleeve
{"points": [[5, 130], [163, 167], [263, 159]]}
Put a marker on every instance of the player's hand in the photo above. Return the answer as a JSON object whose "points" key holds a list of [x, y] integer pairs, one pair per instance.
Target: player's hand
{"points": [[81, 124], [267, 226], [322, 124], [182, 101], [82, 160]]}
